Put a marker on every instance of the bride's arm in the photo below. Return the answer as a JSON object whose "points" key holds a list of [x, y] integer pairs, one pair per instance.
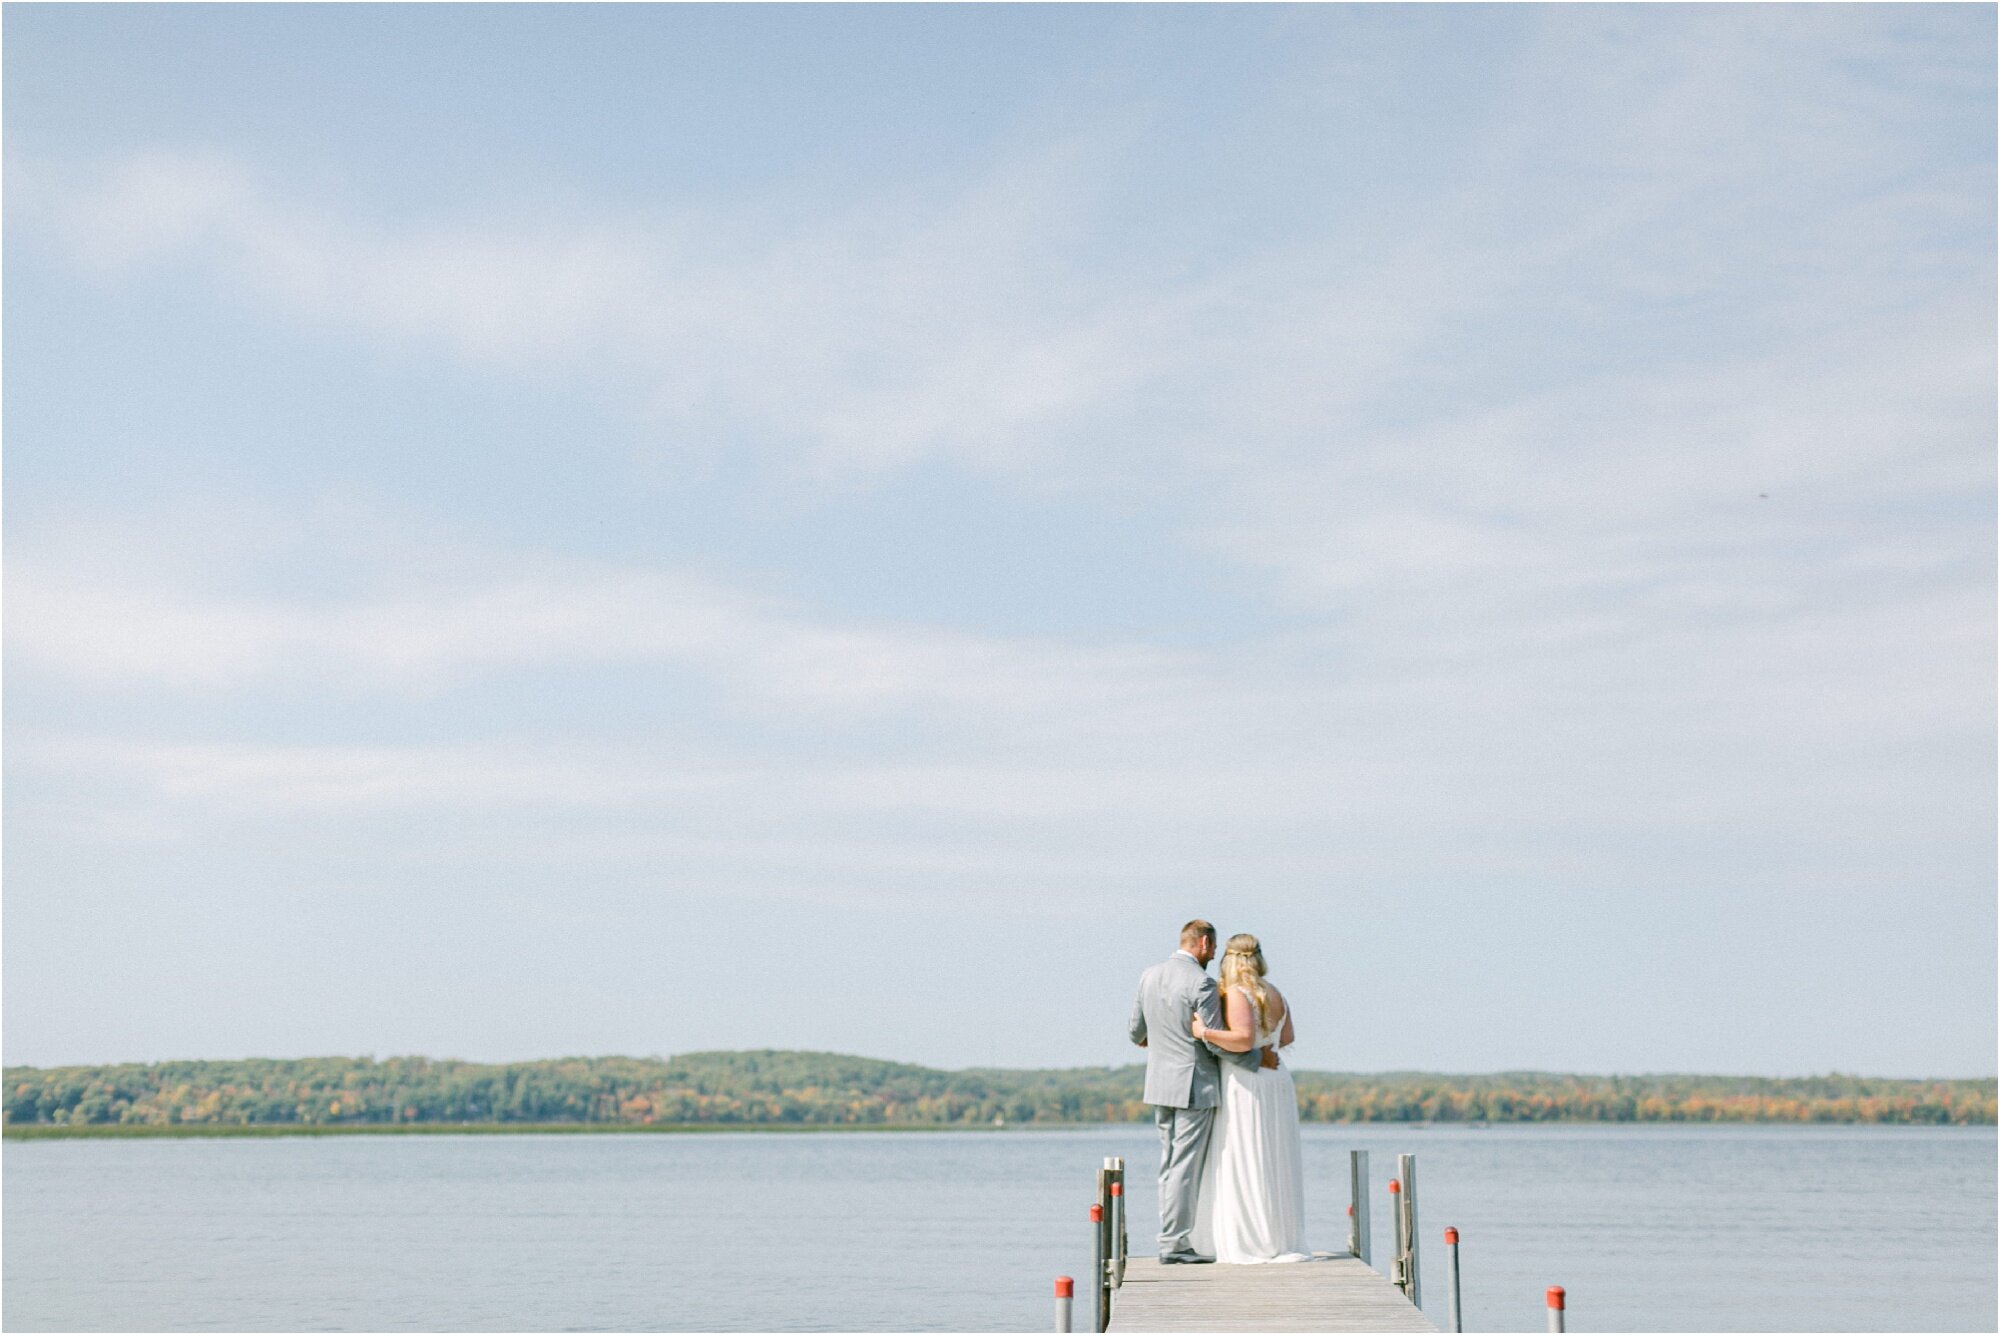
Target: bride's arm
{"points": [[1241, 1035]]}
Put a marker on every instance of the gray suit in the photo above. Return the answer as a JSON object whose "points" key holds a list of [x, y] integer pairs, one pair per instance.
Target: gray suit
{"points": [[1183, 1082]]}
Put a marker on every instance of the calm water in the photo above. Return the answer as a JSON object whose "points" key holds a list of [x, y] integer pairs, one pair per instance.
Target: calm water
{"points": [[1648, 1228]]}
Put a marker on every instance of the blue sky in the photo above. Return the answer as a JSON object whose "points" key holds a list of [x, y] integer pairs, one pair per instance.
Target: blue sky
{"points": [[547, 530]]}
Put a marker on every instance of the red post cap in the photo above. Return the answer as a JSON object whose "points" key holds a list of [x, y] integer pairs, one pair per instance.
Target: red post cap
{"points": [[1065, 1287], [1096, 1214], [1556, 1297], [1117, 1188], [1394, 1186], [1451, 1237]]}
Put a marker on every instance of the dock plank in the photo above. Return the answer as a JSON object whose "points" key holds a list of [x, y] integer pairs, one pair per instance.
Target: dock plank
{"points": [[1333, 1292]]}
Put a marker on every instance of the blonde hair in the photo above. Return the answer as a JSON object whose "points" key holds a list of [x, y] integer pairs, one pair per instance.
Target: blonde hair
{"points": [[1243, 967]]}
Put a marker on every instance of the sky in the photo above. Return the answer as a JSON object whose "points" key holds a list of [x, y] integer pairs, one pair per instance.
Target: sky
{"points": [[536, 531]]}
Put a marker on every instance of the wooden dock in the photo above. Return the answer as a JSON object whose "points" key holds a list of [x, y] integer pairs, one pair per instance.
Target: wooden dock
{"points": [[1334, 1292]]}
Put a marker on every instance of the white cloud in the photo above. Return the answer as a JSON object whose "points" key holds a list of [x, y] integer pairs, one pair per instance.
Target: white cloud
{"points": [[426, 620], [1479, 531], [137, 634], [1679, 375], [869, 338], [1457, 404], [1704, 702], [237, 779]]}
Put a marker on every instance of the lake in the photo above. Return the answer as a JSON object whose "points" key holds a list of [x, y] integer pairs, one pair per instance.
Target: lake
{"points": [[1649, 1228]]}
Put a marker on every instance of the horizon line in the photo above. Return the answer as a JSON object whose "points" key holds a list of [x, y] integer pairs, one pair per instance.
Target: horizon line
{"points": [[888, 1061]]}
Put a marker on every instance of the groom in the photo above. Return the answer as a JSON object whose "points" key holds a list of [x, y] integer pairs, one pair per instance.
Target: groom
{"points": [[1183, 1080]]}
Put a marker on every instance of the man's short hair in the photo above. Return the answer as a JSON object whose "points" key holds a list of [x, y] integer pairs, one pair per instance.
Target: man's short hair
{"points": [[1197, 930]]}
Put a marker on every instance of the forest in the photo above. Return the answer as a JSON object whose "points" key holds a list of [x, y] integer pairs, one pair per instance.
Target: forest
{"points": [[826, 1089]]}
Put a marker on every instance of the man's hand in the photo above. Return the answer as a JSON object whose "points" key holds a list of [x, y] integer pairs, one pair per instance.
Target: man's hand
{"points": [[1269, 1060]]}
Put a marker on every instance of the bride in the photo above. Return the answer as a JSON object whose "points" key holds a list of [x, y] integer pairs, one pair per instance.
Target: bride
{"points": [[1251, 1206]]}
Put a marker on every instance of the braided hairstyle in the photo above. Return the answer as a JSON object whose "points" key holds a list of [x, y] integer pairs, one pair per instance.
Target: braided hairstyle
{"points": [[1243, 966]]}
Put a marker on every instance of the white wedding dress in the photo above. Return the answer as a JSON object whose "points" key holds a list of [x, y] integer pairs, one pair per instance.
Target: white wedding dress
{"points": [[1251, 1207]]}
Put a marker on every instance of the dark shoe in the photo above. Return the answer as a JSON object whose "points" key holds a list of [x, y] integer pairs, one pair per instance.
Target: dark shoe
{"points": [[1186, 1258]]}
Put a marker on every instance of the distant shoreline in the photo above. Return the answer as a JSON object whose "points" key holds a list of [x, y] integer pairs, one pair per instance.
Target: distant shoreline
{"points": [[265, 1130], [772, 1090], [272, 1131]]}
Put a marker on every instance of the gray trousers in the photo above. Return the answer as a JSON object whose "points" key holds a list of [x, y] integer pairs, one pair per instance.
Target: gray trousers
{"points": [[1183, 1148]]}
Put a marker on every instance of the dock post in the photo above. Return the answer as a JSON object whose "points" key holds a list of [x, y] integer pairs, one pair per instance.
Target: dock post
{"points": [[1097, 1285], [1451, 1241], [1406, 1168], [1556, 1300], [1399, 1251], [1360, 1237], [1124, 1233], [1107, 1230], [1065, 1298], [1117, 1234], [1115, 1262], [1120, 1242]]}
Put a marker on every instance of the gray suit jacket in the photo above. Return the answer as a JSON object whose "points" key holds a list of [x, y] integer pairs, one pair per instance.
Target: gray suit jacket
{"points": [[1180, 1073]]}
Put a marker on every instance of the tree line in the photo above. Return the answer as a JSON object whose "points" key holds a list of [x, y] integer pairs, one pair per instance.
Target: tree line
{"points": [[817, 1088]]}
